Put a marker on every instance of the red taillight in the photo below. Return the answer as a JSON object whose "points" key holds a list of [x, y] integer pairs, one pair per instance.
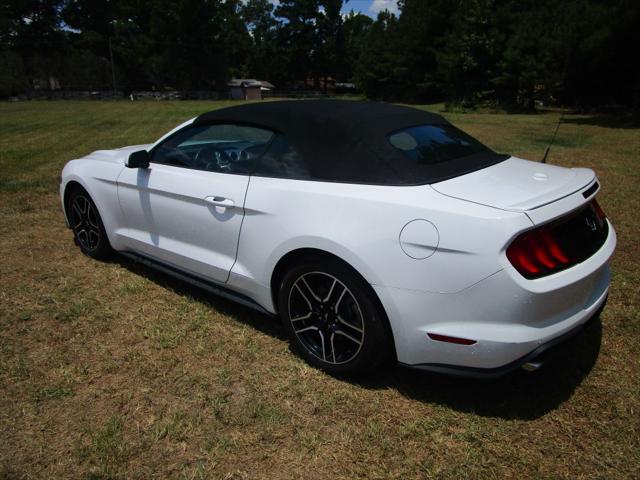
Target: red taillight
{"points": [[553, 247], [536, 253], [519, 255], [560, 244]]}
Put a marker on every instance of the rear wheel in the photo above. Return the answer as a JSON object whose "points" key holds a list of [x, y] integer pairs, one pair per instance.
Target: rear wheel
{"points": [[88, 229], [331, 318]]}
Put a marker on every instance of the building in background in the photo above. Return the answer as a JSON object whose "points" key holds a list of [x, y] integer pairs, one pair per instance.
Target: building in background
{"points": [[248, 88]]}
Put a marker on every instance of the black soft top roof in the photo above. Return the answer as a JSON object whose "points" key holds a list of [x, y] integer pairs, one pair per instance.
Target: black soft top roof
{"points": [[309, 118], [344, 140]]}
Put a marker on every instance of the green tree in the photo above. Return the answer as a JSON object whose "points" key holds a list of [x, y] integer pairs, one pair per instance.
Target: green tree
{"points": [[355, 28], [467, 63], [12, 76], [264, 59], [602, 65], [330, 42], [381, 73], [197, 44], [425, 27], [298, 36], [32, 43], [181, 44]]}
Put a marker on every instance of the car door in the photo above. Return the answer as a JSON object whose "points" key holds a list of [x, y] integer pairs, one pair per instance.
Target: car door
{"points": [[186, 209]]}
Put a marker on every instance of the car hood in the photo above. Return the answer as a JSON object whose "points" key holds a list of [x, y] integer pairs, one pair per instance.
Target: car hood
{"points": [[117, 155], [516, 184]]}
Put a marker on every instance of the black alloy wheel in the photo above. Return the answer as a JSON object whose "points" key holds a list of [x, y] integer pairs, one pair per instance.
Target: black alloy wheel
{"points": [[87, 226], [332, 318]]}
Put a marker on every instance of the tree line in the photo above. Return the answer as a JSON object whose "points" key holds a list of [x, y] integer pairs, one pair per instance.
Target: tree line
{"points": [[507, 53]]}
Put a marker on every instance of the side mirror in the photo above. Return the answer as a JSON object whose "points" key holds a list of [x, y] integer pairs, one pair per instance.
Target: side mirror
{"points": [[138, 159]]}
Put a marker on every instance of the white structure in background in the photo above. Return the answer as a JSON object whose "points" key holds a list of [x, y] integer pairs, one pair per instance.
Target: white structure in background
{"points": [[248, 88]]}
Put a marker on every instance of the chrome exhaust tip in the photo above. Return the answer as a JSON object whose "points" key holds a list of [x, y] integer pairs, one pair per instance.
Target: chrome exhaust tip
{"points": [[531, 366]]}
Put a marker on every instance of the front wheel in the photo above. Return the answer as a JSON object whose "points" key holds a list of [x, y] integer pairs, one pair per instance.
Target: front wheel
{"points": [[332, 319], [88, 229]]}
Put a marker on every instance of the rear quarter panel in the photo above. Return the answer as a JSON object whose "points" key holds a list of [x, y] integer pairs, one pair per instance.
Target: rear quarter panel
{"points": [[361, 224]]}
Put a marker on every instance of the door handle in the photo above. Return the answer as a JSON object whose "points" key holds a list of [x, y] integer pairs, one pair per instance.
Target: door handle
{"points": [[220, 201]]}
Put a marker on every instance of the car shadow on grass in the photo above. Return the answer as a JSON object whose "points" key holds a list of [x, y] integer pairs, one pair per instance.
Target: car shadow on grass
{"points": [[260, 321], [518, 395]]}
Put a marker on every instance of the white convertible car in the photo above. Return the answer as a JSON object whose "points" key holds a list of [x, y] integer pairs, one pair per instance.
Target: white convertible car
{"points": [[376, 232]]}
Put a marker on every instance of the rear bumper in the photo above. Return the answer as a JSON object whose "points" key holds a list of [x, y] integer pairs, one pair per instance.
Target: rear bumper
{"points": [[538, 354], [511, 320]]}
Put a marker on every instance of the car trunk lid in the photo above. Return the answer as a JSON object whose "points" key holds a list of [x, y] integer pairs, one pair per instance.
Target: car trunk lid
{"points": [[516, 184]]}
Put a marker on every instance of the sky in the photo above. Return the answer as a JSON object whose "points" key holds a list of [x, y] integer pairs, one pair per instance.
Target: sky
{"points": [[368, 7]]}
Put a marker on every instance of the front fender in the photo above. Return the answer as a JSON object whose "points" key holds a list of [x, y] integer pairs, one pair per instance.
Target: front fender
{"points": [[99, 181]]}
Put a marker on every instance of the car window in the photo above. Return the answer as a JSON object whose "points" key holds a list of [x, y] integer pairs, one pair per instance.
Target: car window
{"points": [[425, 152], [214, 148], [429, 144], [281, 160]]}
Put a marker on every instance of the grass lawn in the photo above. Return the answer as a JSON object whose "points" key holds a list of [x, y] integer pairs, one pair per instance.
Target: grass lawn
{"points": [[109, 370]]}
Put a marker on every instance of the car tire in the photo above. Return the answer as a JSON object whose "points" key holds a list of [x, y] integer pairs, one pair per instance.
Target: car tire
{"points": [[333, 319], [85, 222]]}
